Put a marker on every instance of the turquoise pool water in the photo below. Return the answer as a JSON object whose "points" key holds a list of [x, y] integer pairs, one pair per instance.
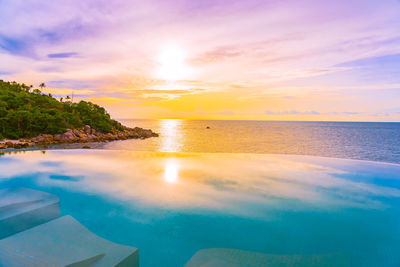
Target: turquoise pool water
{"points": [[171, 205]]}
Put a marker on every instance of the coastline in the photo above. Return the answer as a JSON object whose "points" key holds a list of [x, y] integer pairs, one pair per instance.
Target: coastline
{"points": [[84, 135]]}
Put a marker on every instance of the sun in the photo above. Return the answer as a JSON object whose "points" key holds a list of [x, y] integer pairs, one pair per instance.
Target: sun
{"points": [[172, 65]]}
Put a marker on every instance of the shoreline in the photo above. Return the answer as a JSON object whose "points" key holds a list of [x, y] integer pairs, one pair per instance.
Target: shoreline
{"points": [[84, 135]]}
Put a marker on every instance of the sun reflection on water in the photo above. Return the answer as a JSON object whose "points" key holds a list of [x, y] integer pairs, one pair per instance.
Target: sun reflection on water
{"points": [[171, 171], [170, 140], [210, 181]]}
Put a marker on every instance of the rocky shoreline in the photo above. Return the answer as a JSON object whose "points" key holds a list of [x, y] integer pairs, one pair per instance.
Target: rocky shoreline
{"points": [[83, 135]]}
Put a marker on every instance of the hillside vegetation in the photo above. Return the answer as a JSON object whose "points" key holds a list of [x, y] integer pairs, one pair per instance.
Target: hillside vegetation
{"points": [[26, 112]]}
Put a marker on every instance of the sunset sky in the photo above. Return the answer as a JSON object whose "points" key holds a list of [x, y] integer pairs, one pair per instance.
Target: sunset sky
{"points": [[211, 59]]}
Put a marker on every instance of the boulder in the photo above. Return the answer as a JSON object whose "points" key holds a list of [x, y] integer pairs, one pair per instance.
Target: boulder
{"points": [[146, 133], [76, 132], [87, 129], [48, 138], [80, 134], [57, 137], [68, 136]]}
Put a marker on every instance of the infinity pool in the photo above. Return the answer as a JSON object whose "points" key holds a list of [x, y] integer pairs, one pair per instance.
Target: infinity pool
{"points": [[171, 205]]}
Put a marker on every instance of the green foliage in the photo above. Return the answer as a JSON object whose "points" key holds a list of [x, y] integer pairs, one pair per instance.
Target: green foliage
{"points": [[27, 113]]}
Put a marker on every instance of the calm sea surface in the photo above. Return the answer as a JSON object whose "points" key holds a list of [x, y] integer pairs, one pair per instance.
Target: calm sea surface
{"points": [[354, 140]]}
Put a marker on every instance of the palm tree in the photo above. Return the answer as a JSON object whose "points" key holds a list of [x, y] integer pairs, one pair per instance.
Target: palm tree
{"points": [[68, 97], [42, 85]]}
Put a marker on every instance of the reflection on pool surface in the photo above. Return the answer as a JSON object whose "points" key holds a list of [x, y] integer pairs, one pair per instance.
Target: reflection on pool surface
{"points": [[171, 205]]}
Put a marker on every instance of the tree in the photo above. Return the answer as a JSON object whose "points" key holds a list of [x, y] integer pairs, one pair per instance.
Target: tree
{"points": [[42, 85], [28, 114]]}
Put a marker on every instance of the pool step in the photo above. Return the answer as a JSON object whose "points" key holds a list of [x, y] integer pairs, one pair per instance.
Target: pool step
{"points": [[23, 208], [223, 257], [64, 242], [32, 233]]}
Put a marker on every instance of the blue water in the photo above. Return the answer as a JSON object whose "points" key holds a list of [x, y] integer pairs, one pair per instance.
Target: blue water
{"points": [[171, 205], [354, 140]]}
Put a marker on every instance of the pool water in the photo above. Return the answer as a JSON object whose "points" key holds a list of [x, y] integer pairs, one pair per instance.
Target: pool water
{"points": [[170, 205]]}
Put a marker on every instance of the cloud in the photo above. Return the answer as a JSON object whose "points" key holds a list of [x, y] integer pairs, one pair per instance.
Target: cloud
{"points": [[217, 54], [74, 84], [62, 55], [385, 60], [291, 112], [14, 45], [5, 73], [200, 111], [225, 112]]}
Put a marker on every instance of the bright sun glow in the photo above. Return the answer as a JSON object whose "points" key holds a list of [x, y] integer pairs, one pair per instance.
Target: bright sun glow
{"points": [[171, 171], [172, 64]]}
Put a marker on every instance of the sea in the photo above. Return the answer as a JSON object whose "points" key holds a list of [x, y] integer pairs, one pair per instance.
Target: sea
{"points": [[374, 141]]}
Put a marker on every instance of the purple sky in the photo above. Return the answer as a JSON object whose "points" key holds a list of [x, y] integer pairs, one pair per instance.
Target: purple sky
{"points": [[289, 59]]}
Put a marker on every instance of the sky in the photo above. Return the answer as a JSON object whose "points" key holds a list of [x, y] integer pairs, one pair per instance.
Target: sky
{"points": [[210, 59]]}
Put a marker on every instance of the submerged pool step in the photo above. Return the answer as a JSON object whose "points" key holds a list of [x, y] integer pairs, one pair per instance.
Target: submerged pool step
{"points": [[64, 242], [32, 233], [223, 257], [23, 208]]}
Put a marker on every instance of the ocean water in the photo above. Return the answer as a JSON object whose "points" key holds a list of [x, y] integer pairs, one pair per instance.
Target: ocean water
{"points": [[171, 205], [353, 140]]}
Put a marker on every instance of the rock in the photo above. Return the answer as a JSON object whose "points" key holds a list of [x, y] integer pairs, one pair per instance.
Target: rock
{"points": [[24, 145], [84, 135], [146, 133], [87, 129], [84, 139], [39, 139], [68, 136], [48, 138], [80, 134], [86, 147]]}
